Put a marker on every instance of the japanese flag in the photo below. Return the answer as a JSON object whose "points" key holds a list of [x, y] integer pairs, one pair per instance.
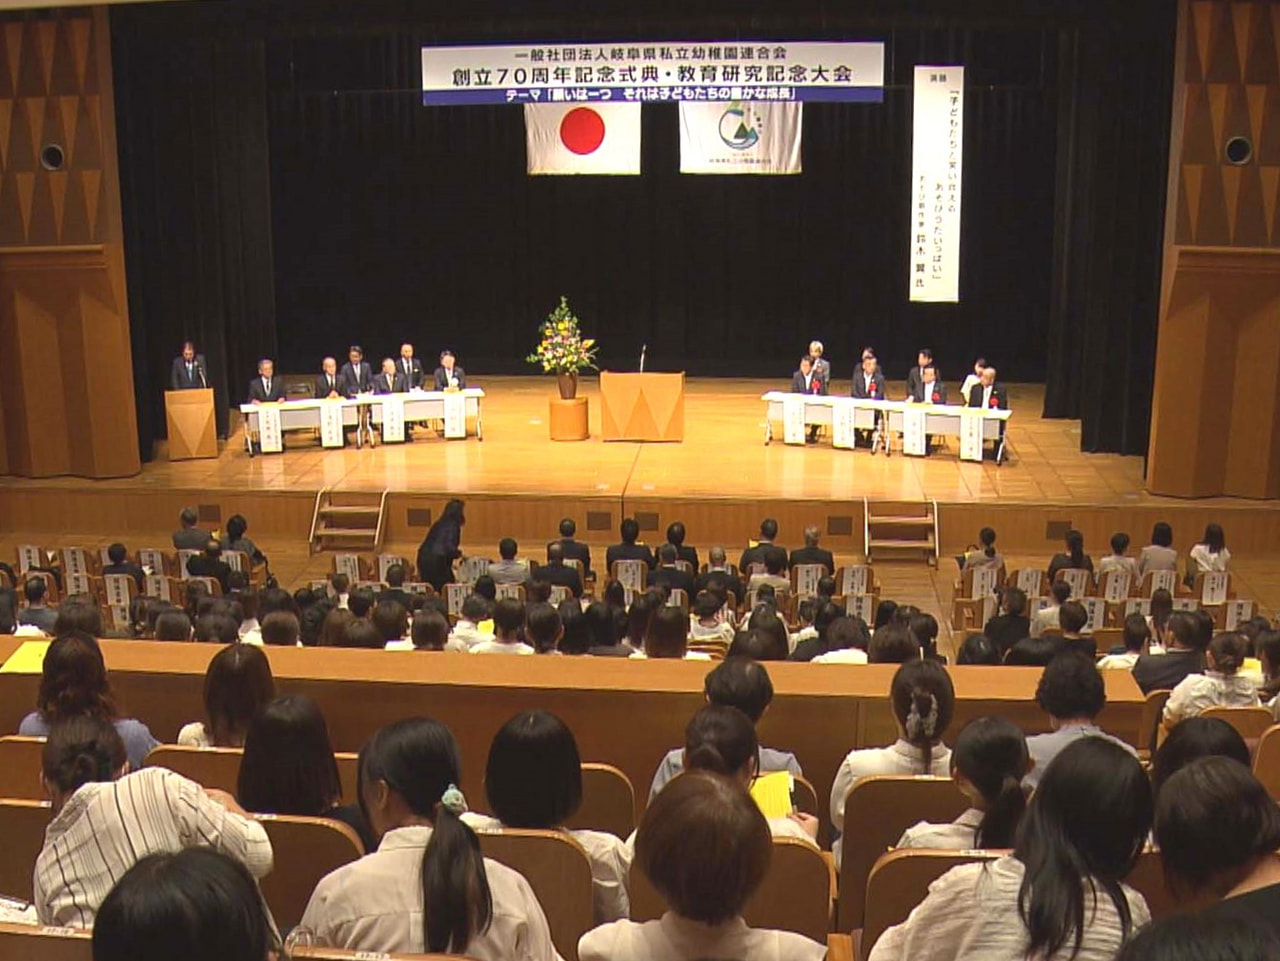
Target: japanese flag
{"points": [[583, 138]]}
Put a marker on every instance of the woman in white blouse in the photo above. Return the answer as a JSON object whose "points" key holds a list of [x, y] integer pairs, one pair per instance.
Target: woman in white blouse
{"points": [[1077, 909], [534, 780], [989, 762], [1221, 685], [237, 685], [427, 888], [705, 847], [1211, 554]]}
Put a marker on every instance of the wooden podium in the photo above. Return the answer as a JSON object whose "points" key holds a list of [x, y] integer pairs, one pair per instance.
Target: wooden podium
{"points": [[192, 433], [645, 407]]}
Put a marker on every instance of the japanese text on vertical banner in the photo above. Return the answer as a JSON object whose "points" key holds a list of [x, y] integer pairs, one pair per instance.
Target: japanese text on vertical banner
{"points": [[936, 177]]}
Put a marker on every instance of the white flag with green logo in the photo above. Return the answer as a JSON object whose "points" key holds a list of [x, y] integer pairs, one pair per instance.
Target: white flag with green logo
{"points": [[740, 137]]}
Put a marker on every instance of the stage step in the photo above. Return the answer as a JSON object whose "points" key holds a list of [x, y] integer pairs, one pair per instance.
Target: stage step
{"points": [[348, 519], [902, 545], [351, 510], [877, 521], [901, 526]]}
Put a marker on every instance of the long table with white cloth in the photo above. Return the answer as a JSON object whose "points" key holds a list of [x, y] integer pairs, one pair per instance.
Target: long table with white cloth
{"points": [[915, 422], [332, 417]]}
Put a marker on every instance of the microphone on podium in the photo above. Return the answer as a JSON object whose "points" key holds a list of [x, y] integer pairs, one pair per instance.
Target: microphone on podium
{"points": [[643, 350], [200, 370]]}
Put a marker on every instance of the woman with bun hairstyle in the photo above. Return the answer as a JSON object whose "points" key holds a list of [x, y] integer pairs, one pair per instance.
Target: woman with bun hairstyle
{"points": [[1221, 684]]}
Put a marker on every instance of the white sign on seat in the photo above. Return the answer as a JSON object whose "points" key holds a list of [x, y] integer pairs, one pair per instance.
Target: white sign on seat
{"points": [[1115, 586], [1214, 587], [1238, 611], [1096, 608], [1029, 580], [454, 595]]}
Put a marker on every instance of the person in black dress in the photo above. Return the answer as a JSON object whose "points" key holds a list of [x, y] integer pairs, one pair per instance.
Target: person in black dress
{"points": [[441, 547]]}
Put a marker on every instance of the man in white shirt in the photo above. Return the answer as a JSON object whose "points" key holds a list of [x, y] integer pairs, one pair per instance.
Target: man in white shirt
{"points": [[508, 620], [1046, 618], [1118, 560], [341, 585], [466, 633]]}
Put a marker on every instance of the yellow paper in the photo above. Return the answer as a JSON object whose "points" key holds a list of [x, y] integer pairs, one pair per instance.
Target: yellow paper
{"points": [[485, 627], [772, 793], [27, 659]]}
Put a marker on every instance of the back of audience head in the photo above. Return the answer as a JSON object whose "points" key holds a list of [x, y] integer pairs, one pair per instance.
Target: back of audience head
{"points": [[476, 609], [1015, 602], [775, 560], [216, 629], [1074, 542], [1136, 633], [173, 625], [576, 635], [1227, 652], [1162, 534], [667, 554], [1065, 846], [1161, 608], [706, 605], [1073, 617], [705, 846], [923, 701], [359, 633], [73, 680], [768, 529], [78, 616], [430, 631], [533, 778], [288, 765], [884, 614], [989, 761], [1200, 937], [602, 627], [615, 595], [642, 610], [1061, 592], [1184, 630], [741, 683], [80, 750], [1071, 688], [721, 739], [568, 528], [237, 685], [667, 636], [757, 645], [196, 904], [629, 530], [508, 619], [826, 614], [340, 582], [281, 629], [676, 533], [390, 619], [486, 587], [1033, 652], [978, 649], [1268, 648], [1119, 542], [334, 627], [537, 591], [34, 590], [360, 602], [847, 633], [924, 628], [1192, 739], [826, 587], [543, 627], [893, 644], [305, 597], [1215, 823], [412, 767], [987, 538]]}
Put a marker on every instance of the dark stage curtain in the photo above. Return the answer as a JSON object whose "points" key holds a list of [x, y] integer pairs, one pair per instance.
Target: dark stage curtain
{"points": [[286, 191]]}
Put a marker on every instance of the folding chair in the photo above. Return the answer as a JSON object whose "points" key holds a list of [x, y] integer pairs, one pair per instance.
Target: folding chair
{"points": [[633, 574], [1079, 578], [805, 577], [855, 579]]}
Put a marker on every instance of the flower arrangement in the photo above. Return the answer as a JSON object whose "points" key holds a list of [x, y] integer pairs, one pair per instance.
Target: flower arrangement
{"points": [[563, 349]]}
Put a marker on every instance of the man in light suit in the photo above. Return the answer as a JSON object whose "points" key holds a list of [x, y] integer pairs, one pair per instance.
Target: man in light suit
{"points": [[189, 371], [869, 384], [915, 376], [356, 376], [806, 381], [821, 366], [449, 374], [410, 367], [266, 387], [988, 393], [390, 380], [327, 384]]}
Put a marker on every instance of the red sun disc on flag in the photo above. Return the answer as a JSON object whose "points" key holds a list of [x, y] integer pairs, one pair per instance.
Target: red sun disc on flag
{"points": [[582, 130]]}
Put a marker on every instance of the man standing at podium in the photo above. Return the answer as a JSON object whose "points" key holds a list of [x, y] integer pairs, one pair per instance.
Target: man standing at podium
{"points": [[189, 371]]}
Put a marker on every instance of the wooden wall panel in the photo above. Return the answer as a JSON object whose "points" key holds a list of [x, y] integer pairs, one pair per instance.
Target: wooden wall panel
{"points": [[531, 519], [731, 523]]}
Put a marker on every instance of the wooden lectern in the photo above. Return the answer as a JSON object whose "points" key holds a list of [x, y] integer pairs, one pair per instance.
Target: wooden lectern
{"points": [[192, 432], [645, 407]]}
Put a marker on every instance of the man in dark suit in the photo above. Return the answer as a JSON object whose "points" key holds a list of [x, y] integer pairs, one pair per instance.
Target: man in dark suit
{"points": [[807, 381], [755, 555], [675, 537], [395, 587], [628, 550], [811, 553], [210, 564], [930, 390], [356, 376], [869, 384], [449, 374], [410, 367], [390, 380], [557, 573], [189, 371], [266, 387], [915, 376], [570, 549], [327, 384], [189, 537], [668, 576], [988, 393], [120, 564], [718, 578]]}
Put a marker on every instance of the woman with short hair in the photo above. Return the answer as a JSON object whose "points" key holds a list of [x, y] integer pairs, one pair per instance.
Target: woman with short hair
{"points": [[237, 685]]}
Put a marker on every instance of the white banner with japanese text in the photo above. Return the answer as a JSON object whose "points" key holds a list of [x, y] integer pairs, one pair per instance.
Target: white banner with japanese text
{"points": [[937, 160], [740, 137], [650, 72]]}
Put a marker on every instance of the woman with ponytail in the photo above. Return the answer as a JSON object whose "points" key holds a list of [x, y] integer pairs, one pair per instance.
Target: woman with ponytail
{"points": [[1073, 558], [1058, 896], [427, 888], [923, 701], [1221, 685], [989, 762]]}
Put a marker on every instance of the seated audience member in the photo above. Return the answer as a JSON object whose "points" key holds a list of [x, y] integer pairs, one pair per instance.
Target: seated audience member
{"points": [[1072, 693], [722, 740], [1200, 937], [237, 528], [426, 888], [824, 615], [1218, 831], [629, 549], [811, 553], [73, 683], [1047, 618], [978, 649], [1034, 651], [806, 609], [217, 628], [1158, 620], [765, 638], [1267, 645], [388, 380], [8, 610], [924, 628], [602, 628], [1184, 653], [360, 602], [120, 564], [884, 614], [755, 555], [1221, 684], [988, 763], [576, 637], [1073, 618], [846, 643], [707, 621], [1073, 558], [508, 621], [37, 613], [334, 627], [923, 700], [250, 629], [79, 614], [466, 633], [533, 780], [289, 766], [196, 904], [675, 537], [429, 631], [341, 587], [642, 610], [211, 564], [281, 629], [718, 578], [237, 685], [1119, 559], [556, 572], [172, 625], [570, 549], [745, 685], [1077, 906], [1159, 555], [774, 574], [543, 628], [893, 644], [1192, 739], [362, 634], [391, 620], [507, 569], [105, 820], [395, 587], [1136, 635], [705, 847], [667, 577], [537, 591], [1211, 553], [667, 637], [986, 554], [189, 536]]}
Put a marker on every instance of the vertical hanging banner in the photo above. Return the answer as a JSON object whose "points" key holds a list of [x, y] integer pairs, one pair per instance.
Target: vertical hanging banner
{"points": [[594, 138], [937, 157], [740, 137]]}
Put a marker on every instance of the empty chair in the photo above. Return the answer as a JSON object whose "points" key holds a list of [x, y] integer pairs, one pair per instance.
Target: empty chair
{"points": [[1266, 761], [217, 768], [631, 574], [20, 769], [855, 579]]}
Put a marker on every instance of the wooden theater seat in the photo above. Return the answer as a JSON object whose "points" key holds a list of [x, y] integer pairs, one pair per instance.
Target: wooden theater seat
{"points": [[1251, 722], [608, 802], [1266, 761], [22, 826], [20, 768], [26, 942], [305, 850], [219, 767]]}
